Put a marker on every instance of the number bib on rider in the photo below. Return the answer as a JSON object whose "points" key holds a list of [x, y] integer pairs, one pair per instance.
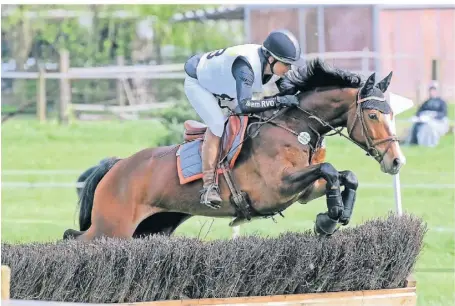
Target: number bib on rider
{"points": [[214, 71]]}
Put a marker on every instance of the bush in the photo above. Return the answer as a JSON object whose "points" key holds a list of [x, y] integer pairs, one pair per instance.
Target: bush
{"points": [[173, 119]]}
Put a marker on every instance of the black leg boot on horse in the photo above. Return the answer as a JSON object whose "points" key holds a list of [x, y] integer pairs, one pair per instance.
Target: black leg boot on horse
{"points": [[210, 194]]}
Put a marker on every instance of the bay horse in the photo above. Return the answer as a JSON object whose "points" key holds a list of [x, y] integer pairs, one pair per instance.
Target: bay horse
{"points": [[281, 162]]}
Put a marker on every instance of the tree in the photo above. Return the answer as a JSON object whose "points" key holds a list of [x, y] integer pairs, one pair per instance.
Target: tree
{"points": [[95, 34]]}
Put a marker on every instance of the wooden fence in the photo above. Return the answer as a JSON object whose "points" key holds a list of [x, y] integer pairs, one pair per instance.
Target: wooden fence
{"points": [[122, 73], [119, 72]]}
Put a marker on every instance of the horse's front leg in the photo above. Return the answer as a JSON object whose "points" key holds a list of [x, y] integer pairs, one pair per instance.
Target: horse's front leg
{"points": [[315, 191], [326, 223], [349, 180]]}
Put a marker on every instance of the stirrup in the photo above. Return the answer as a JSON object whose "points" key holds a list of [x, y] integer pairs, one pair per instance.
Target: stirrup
{"points": [[204, 193]]}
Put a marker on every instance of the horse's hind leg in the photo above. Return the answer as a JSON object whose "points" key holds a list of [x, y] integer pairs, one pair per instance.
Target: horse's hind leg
{"points": [[103, 227], [79, 235], [112, 219], [109, 218]]}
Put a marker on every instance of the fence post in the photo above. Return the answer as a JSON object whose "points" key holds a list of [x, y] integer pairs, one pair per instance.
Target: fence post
{"points": [[436, 74], [120, 90], [41, 96], [65, 87], [6, 280], [434, 69], [321, 28], [365, 61], [235, 231]]}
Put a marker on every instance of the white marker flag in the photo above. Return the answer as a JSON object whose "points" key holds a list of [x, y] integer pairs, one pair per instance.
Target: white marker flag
{"points": [[398, 104]]}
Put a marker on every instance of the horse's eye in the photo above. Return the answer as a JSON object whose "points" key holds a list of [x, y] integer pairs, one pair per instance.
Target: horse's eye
{"points": [[373, 116]]}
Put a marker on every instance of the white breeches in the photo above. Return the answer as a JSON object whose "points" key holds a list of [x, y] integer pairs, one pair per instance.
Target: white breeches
{"points": [[206, 105]]}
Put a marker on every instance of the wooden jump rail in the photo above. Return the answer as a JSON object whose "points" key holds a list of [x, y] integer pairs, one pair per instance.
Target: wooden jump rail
{"points": [[406, 296], [6, 281]]}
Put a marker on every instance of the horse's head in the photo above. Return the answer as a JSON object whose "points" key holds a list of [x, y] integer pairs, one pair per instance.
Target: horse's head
{"points": [[370, 123], [338, 98]]}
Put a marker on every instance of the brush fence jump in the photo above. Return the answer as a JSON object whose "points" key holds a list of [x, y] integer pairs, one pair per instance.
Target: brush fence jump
{"points": [[370, 264]]}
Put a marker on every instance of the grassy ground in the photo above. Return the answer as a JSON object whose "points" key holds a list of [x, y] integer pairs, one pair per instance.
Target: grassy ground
{"points": [[43, 214]]}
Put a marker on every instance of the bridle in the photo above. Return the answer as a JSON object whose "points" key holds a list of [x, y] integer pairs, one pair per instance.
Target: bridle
{"points": [[370, 144], [370, 147]]}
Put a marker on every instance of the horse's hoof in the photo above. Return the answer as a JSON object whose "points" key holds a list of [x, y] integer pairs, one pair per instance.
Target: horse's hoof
{"points": [[70, 234], [325, 226]]}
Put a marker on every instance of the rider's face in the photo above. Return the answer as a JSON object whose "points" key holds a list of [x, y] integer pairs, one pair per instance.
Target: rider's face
{"points": [[280, 68]]}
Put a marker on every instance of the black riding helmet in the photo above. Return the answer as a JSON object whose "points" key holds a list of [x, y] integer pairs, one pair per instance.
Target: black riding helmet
{"points": [[283, 46]]}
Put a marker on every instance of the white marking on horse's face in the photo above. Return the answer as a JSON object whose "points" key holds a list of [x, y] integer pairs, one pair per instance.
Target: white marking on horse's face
{"points": [[395, 150]]}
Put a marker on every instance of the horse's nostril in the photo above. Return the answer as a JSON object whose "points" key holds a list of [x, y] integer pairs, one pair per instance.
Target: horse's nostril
{"points": [[396, 162]]}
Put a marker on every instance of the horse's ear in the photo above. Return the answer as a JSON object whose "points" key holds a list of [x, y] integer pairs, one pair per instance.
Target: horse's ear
{"points": [[368, 86], [385, 82]]}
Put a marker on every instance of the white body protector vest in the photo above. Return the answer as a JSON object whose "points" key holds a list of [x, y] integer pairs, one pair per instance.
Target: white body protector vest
{"points": [[214, 72]]}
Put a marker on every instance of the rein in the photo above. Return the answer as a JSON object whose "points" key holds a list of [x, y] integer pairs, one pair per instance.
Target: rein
{"points": [[370, 147]]}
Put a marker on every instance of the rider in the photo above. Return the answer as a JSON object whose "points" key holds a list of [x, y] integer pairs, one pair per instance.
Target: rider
{"points": [[230, 76]]}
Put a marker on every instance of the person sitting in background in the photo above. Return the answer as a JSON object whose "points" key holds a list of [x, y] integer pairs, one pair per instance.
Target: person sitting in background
{"points": [[430, 121]]}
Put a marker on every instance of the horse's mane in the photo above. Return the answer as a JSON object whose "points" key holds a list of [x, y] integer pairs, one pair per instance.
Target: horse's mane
{"points": [[317, 73]]}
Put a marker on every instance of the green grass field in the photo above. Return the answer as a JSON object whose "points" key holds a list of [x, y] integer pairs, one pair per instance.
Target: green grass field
{"points": [[42, 214]]}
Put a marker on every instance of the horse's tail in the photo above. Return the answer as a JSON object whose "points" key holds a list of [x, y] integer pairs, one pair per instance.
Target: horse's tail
{"points": [[84, 175], [88, 192]]}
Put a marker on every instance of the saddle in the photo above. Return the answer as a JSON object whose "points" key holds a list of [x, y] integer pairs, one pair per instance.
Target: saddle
{"points": [[193, 130], [189, 160]]}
